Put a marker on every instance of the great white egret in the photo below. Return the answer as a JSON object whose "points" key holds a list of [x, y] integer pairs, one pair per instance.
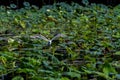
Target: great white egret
{"points": [[48, 40]]}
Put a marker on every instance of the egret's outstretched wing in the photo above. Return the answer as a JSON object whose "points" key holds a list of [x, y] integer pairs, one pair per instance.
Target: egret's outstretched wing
{"points": [[40, 36], [35, 36], [57, 36], [44, 38]]}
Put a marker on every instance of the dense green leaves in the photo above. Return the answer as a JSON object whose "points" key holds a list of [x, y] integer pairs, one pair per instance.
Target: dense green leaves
{"points": [[90, 49]]}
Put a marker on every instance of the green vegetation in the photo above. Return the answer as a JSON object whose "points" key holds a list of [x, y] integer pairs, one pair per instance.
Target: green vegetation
{"points": [[90, 50]]}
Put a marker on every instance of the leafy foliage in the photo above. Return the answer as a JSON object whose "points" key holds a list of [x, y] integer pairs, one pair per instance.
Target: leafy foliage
{"points": [[90, 50]]}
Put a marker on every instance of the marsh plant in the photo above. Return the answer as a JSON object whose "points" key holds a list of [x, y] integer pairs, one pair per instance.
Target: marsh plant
{"points": [[88, 45]]}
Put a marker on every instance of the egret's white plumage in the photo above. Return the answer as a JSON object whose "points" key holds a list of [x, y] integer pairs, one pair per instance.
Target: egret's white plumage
{"points": [[49, 41]]}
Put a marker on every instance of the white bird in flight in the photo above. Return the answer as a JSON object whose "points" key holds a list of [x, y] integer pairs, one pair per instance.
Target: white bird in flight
{"points": [[48, 40]]}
